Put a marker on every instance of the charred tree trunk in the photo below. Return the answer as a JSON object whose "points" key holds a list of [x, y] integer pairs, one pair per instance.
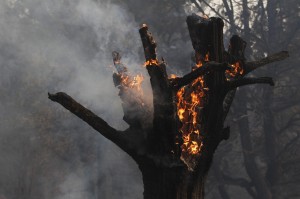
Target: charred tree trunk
{"points": [[174, 150]]}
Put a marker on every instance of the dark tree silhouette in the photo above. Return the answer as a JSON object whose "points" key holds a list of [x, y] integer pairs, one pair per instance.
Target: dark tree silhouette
{"points": [[174, 143]]}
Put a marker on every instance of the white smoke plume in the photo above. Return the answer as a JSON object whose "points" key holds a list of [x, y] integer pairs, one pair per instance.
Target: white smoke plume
{"points": [[63, 45]]}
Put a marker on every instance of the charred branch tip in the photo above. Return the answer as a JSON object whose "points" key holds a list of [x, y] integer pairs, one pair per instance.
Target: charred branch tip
{"points": [[55, 97]]}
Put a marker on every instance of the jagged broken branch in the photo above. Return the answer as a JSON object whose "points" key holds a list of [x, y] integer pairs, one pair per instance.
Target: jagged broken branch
{"points": [[92, 119]]}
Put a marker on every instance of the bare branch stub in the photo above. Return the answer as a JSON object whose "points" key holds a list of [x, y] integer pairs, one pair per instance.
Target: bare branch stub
{"points": [[93, 120], [252, 65]]}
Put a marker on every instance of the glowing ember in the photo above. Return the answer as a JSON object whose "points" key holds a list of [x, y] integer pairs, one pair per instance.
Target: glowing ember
{"points": [[194, 148], [206, 57], [151, 62], [172, 76], [200, 63], [235, 70], [137, 82], [134, 82], [180, 114]]}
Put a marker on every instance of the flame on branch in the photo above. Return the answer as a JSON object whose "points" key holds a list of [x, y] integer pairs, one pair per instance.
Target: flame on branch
{"points": [[122, 77], [151, 62], [131, 92], [190, 102], [235, 70]]}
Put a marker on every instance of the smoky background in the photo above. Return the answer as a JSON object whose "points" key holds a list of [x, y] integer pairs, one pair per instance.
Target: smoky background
{"points": [[66, 45]]}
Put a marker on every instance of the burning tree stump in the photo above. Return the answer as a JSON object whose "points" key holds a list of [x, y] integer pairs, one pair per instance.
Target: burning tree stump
{"points": [[174, 149]]}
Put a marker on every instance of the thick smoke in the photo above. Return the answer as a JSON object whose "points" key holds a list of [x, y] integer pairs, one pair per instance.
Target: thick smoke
{"points": [[52, 46]]}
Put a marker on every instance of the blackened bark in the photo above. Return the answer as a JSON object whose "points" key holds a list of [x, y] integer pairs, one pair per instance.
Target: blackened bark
{"points": [[160, 182]]}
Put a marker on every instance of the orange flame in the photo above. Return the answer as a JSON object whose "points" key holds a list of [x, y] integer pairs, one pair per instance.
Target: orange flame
{"points": [[200, 62], [135, 82], [151, 62], [180, 113], [235, 70], [194, 148], [190, 100], [207, 57], [172, 76]]}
